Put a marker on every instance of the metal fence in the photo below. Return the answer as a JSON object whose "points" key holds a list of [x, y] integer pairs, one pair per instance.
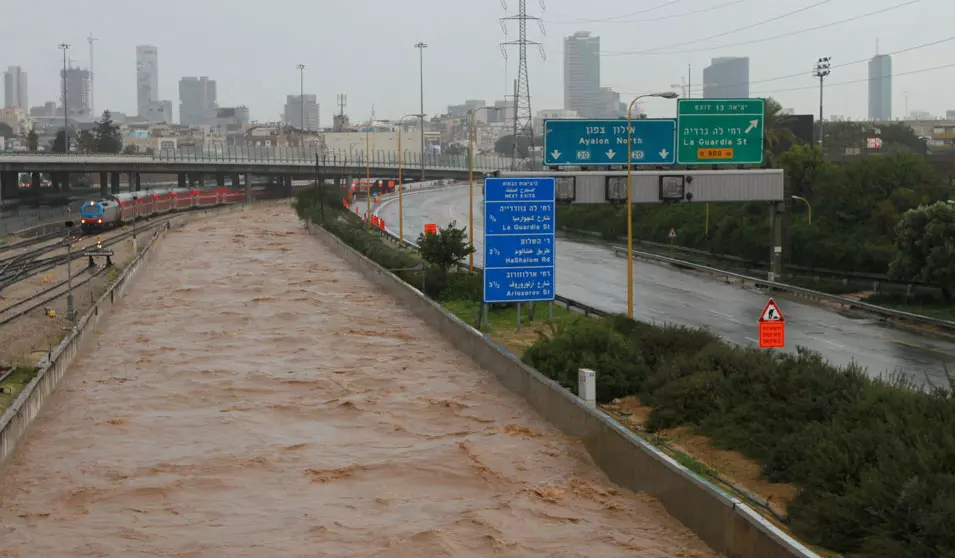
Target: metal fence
{"points": [[22, 218]]}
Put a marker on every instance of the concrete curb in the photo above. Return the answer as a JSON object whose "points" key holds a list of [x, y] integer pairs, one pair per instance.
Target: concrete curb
{"points": [[15, 421], [725, 523]]}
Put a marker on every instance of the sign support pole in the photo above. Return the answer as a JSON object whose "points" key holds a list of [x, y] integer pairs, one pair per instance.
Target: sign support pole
{"points": [[518, 317]]}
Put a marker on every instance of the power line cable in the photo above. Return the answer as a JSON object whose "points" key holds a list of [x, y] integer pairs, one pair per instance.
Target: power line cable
{"points": [[781, 35], [621, 16], [661, 18], [723, 34]]}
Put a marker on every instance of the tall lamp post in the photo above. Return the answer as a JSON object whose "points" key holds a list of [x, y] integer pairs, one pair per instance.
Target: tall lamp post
{"points": [[823, 66], [69, 273], [664, 95], [66, 123], [471, 114], [401, 183], [368, 169], [301, 96], [809, 205], [421, 46]]}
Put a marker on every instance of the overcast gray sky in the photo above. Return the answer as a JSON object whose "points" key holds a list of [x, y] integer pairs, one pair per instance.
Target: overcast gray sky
{"points": [[365, 48]]}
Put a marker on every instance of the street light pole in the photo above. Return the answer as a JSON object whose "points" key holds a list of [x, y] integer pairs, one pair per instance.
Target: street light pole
{"points": [[809, 205], [368, 170], [421, 46], [301, 96], [822, 70], [401, 183], [665, 95], [471, 114], [66, 124]]}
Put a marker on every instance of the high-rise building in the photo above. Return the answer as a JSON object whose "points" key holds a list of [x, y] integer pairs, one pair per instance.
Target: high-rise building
{"points": [[880, 88], [15, 89], [147, 79], [726, 78], [582, 74], [77, 91], [197, 101], [293, 112]]}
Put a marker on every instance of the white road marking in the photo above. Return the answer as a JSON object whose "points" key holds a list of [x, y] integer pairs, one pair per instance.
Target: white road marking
{"points": [[720, 314], [751, 340]]}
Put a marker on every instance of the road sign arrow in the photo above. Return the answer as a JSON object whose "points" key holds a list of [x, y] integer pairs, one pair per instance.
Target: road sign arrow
{"points": [[752, 126], [664, 153], [555, 154], [611, 153]]}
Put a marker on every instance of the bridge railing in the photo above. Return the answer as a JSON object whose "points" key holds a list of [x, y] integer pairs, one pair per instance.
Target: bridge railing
{"points": [[409, 160]]}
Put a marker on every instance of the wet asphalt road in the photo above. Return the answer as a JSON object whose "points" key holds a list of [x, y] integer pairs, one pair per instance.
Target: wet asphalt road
{"points": [[593, 275]]}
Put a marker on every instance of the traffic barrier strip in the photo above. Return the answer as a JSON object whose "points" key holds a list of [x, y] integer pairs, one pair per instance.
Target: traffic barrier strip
{"points": [[791, 289], [724, 522]]}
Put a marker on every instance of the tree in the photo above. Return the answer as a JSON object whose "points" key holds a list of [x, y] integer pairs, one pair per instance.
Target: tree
{"points": [[130, 149], [925, 247], [774, 133], [58, 145], [86, 142], [6, 131], [33, 141], [456, 149], [445, 249], [108, 139]]}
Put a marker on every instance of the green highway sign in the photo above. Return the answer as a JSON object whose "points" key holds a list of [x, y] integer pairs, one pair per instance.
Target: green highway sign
{"points": [[720, 131]]}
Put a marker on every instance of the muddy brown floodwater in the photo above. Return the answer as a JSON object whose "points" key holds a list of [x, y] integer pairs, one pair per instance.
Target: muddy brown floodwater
{"points": [[255, 396]]}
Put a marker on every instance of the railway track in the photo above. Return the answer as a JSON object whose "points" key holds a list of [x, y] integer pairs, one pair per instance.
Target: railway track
{"points": [[22, 308]]}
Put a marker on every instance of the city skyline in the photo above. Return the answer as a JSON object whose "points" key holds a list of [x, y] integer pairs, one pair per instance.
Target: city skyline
{"points": [[632, 63]]}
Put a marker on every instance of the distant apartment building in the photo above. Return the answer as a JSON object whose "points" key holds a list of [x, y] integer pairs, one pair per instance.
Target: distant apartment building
{"points": [[461, 111], [231, 119], [77, 91], [726, 78], [295, 105], [880, 88], [15, 89], [197, 101], [582, 74]]}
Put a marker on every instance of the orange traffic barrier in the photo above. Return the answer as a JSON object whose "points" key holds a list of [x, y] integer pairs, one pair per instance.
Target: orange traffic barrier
{"points": [[431, 228]]}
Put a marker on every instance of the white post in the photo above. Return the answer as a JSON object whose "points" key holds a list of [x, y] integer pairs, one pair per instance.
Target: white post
{"points": [[587, 386]]}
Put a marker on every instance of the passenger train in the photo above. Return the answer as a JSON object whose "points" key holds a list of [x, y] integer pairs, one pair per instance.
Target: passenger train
{"points": [[120, 209]]}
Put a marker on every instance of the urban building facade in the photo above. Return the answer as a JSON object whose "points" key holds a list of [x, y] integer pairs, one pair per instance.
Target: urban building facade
{"points": [[293, 112], [147, 79], [726, 78], [197, 101], [15, 89], [77, 91], [582, 74], [880, 88]]}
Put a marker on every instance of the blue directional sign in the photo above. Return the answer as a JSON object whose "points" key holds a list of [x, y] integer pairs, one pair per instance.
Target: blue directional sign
{"points": [[519, 239], [584, 143]]}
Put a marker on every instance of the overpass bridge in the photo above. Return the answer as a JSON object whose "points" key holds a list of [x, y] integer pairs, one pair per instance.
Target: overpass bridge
{"points": [[193, 167]]}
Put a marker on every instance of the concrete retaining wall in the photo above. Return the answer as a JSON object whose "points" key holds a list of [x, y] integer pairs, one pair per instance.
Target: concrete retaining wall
{"points": [[722, 521], [17, 418]]}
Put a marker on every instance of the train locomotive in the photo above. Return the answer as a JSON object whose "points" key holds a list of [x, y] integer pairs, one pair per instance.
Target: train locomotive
{"points": [[121, 209]]}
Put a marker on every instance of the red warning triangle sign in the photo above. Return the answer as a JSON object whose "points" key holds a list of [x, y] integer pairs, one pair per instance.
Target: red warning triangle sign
{"points": [[771, 313]]}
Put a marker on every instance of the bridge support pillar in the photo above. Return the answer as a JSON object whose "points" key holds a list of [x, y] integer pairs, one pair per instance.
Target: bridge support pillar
{"points": [[137, 181], [236, 183], [182, 180], [776, 218], [220, 180], [55, 181], [248, 188], [8, 185], [114, 182], [104, 184], [195, 179]]}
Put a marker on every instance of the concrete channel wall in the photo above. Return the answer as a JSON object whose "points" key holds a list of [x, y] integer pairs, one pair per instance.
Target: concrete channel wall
{"points": [[17, 418], [725, 523]]}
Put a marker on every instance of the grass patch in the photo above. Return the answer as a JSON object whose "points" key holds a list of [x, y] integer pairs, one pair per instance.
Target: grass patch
{"points": [[14, 384], [924, 305], [502, 321]]}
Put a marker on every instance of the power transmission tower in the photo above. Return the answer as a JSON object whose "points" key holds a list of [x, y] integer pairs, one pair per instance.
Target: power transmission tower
{"points": [[523, 116]]}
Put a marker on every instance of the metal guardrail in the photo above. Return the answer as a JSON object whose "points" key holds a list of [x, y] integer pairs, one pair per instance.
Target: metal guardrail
{"points": [[809, 293], [411, 160]]}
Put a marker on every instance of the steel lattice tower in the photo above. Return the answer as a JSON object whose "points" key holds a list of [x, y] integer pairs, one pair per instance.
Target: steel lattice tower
{"points": [[523, 116]]}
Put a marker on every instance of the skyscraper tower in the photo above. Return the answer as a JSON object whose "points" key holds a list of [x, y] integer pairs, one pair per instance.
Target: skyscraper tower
{"points": [[15, 88], [582, 74], [147, 78], [523, 116], [880, 88]]}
